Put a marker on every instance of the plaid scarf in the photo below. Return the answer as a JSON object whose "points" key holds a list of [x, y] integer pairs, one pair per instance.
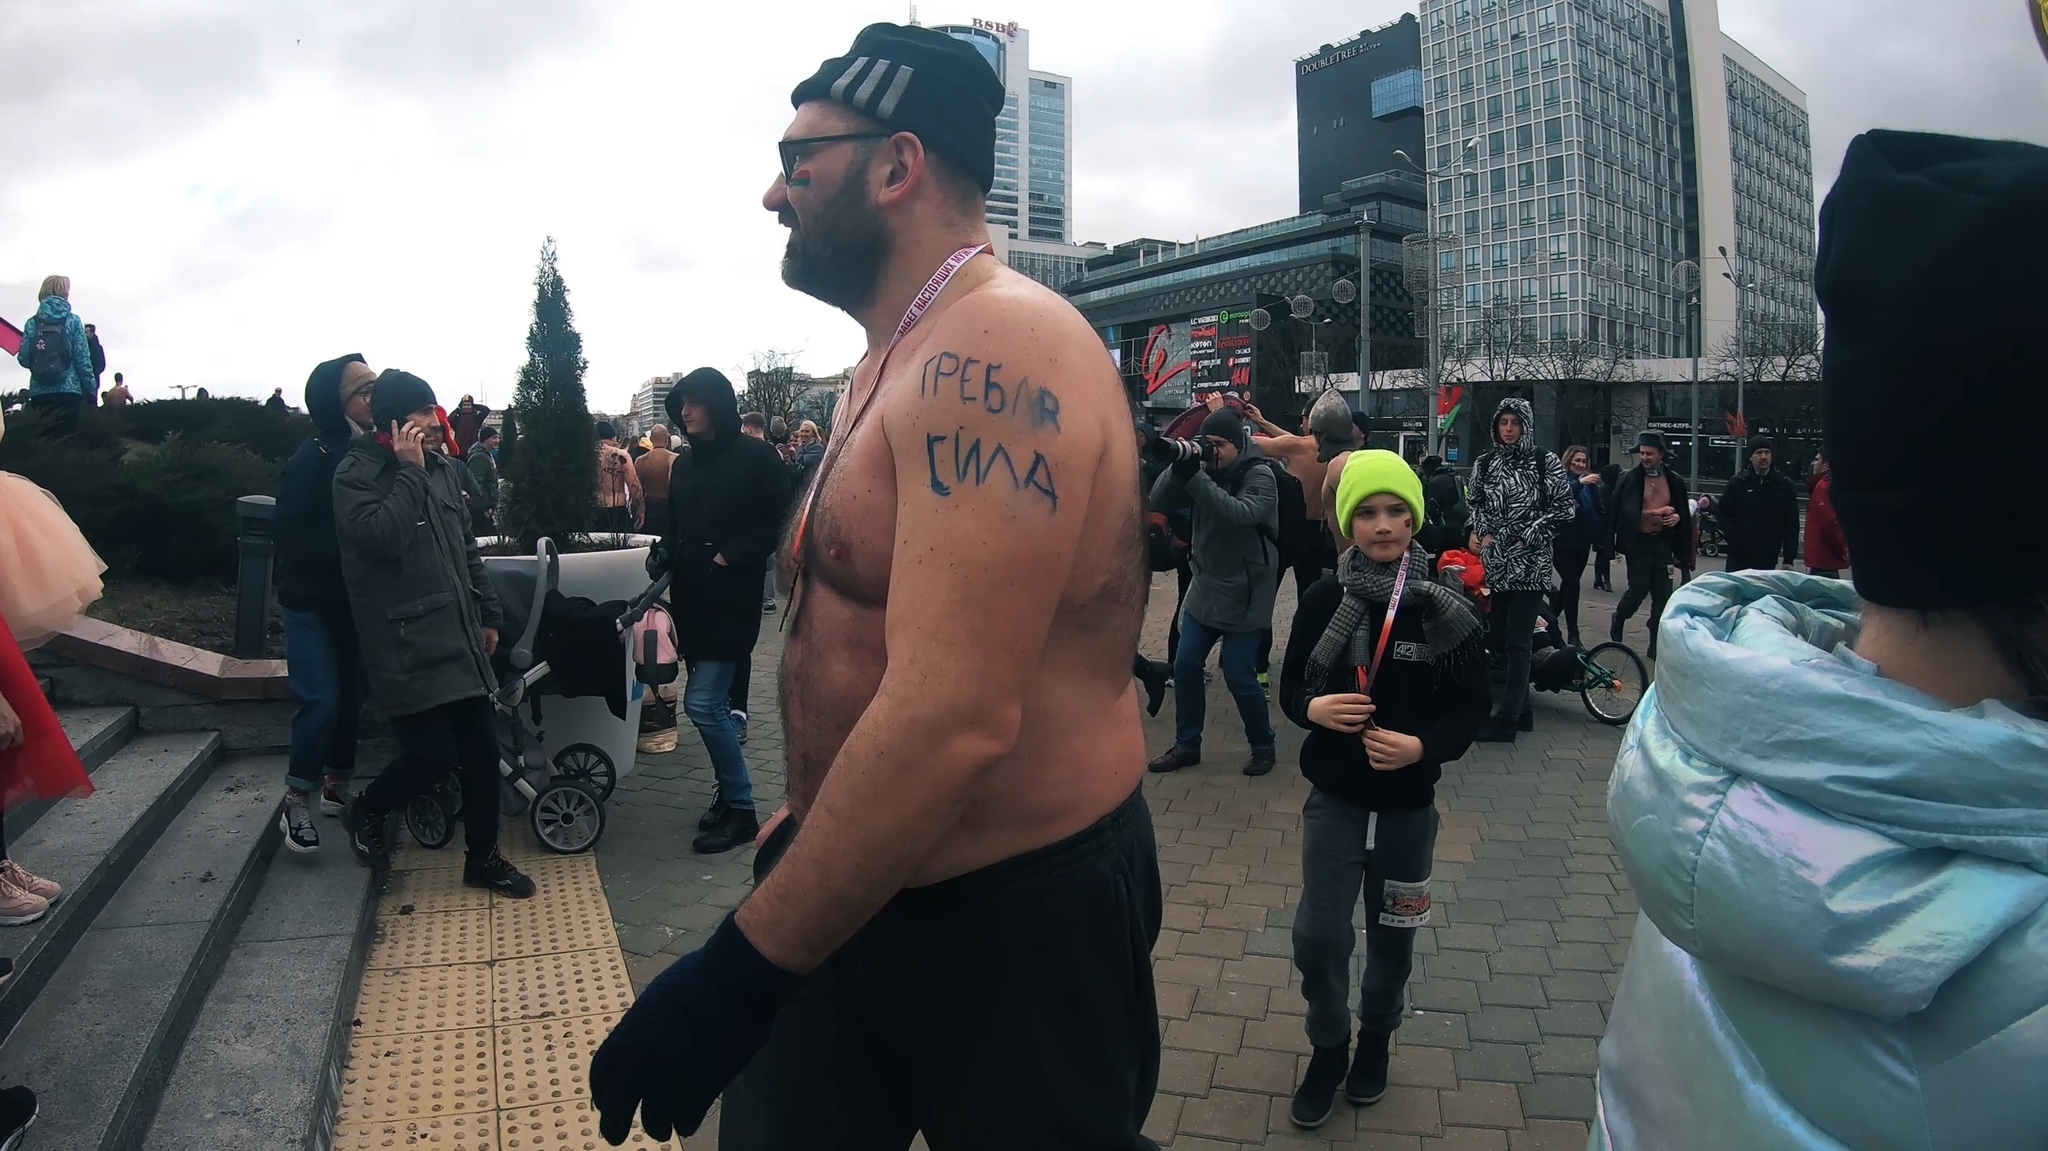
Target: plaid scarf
{"points": [[1447, 620]]}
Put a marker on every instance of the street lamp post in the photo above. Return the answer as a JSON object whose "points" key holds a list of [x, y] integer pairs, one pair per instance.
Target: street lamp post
{"points": [[1686, 277], [1741, 362], [1429, 212]]}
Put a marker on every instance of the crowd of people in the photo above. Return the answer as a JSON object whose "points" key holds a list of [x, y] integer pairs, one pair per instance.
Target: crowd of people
{"points": [[1831, 807]]}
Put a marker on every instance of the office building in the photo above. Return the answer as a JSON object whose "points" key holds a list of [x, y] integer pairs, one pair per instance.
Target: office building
{"points": [[1615, 139], [1051, 264], [1355, 103], [1034, 136], [647, 409]]}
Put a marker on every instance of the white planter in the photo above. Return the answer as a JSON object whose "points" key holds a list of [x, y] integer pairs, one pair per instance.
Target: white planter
{"points": [[599, 576]]}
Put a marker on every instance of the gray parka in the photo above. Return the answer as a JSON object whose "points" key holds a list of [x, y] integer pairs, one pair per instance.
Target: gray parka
{"points": [[1234, 550]]}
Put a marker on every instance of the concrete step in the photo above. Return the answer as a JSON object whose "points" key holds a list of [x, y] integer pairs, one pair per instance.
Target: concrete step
{"points": [[91, 845], [264, 1060], [96, 733], [100, 1040]]}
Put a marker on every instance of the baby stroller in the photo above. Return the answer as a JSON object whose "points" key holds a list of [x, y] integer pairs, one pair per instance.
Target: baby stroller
{"points": [[1609, 678], [563, 797]]}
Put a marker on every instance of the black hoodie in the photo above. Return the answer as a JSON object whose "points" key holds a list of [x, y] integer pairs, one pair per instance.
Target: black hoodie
{"points": [[308, 555], [727, 497]]}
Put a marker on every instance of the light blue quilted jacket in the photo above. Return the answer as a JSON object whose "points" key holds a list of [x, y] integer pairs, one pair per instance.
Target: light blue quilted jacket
{"points": [[1844, 938]]}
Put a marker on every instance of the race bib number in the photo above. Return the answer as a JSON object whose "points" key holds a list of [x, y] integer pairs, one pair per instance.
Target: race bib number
{"points": [[1404, 904]]}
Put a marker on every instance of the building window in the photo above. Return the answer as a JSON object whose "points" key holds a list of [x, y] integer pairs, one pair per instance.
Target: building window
{"points": [[1553, 170], [1553, 130], [1528, 213], [1472, 222], [1560, 247], [1498, 217], [1518, 27], [1447, 262], [1529, 290], [1471, 183], [1550, 98], [1500, 255], [1493, 108], [1557, 285], [1558, 333], [1443, 91], [1521, 99], [1525, 136], [1557, 207], [1464, 79], [1525, 251], [1445, 189], [1525, 176], [1475, 295], [1474, 259], [1497, 180], [1497, 144], [1547, 55], [1468, 115], [1493, 71], [1397, 92]]}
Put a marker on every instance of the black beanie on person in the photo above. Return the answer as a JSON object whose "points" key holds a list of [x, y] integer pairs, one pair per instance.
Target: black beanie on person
{"points": [[1915, 372], [920, 81], [397, 396], [1227, 423]]}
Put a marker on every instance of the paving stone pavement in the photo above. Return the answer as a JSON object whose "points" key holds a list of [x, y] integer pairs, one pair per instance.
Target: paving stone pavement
{"points": [[1512, 982]]}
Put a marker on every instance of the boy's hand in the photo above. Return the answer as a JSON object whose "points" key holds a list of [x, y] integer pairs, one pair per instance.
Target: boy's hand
{"points": [[1391, 750], [1347, 713]]}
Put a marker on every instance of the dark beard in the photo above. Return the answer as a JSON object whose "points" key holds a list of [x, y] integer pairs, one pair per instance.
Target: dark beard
{"points": [[838, 256]]}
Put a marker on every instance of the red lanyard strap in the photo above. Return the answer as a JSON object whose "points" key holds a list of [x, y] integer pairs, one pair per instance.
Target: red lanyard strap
{"points": [[1366, 676], [918, 306]]}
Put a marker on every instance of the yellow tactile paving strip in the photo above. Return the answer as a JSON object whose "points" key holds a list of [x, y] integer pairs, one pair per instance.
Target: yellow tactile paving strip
{"points": [[478, 1015]]}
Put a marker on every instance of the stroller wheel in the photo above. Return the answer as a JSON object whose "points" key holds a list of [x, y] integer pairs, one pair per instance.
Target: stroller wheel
{"points": [[567, 818], [431, 824], [589, 763], [1613, 683]]}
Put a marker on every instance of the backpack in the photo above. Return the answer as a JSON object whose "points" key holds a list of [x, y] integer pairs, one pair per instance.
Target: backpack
{"points": [[1164, 550], [1285, 488], [1445, 523], [50, 361]]}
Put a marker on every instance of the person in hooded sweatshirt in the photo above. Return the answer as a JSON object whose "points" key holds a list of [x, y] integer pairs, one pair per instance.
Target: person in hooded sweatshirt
{"points": [[58, 359], [1833, 805], [322, 658], [1373, 755], [1521, 498], [726, 499]]}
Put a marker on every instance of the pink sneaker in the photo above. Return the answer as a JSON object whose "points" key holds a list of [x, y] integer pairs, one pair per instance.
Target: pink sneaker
{"points": [[18, 907], [14, 873]]}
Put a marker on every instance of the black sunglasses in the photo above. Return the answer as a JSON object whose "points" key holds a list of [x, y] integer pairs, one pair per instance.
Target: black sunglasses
{"points": [[792, 150]]}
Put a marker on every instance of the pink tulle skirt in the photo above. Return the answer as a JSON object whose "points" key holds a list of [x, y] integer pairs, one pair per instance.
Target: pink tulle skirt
{"points": [[48, 573]]}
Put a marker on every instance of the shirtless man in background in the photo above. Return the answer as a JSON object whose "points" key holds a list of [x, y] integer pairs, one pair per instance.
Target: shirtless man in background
{"points": [[953, 921]]}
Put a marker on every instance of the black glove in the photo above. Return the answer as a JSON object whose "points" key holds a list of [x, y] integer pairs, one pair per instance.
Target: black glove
{"points": [[687, 1037], [1185, 470], [657, 559]]}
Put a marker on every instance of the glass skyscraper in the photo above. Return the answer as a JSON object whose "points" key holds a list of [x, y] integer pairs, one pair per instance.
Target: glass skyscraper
{"points": [[1034, 136], [1603, 157]]}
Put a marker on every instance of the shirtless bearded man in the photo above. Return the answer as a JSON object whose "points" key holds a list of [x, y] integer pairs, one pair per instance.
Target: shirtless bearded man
{"points": [[953, 920]]}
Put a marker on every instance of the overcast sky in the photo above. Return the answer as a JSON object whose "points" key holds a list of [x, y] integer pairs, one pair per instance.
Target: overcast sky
{"points": [[239, 190]]}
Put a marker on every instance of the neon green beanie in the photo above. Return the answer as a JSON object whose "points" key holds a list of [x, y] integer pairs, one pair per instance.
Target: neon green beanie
{"points": [[1370, 473]]}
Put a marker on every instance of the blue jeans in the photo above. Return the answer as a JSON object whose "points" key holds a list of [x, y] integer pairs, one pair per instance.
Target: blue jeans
{"points": [[707, 701], [1190, 699], [328, 681]]}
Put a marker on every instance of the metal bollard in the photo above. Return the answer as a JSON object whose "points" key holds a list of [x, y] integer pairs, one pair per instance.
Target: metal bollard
{"points": [[252, 580]]}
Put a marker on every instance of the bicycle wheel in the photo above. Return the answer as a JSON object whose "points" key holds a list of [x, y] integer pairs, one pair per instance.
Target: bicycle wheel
{"points": [[589, 763], [567, 818], [431, 824], [1613, 682]]}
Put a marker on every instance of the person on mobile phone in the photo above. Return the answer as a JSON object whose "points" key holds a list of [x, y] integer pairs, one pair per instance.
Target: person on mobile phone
{"points": [[1385, 709]]}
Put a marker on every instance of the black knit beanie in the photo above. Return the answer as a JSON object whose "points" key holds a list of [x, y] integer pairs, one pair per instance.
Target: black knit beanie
{"points": [[397, 396], [1915, 371], [1227, 423], [920, 81]]}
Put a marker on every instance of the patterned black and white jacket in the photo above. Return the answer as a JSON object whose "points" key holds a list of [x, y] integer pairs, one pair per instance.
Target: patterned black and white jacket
{"points": [[1521, 497]]}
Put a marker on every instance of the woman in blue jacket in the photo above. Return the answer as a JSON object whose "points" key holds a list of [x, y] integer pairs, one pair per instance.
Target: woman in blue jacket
{"points": [[1833, 809], [58, 359]]}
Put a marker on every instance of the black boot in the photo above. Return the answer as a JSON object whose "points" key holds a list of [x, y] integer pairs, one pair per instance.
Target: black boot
{"points": [[495, 873], [1614, 628], [716, 812], [1173, 759], [736, 829], [366, 839], [1317, 1095], [1158, 677], [1367, 1083], [1527, 722], [1495, 730], [1261, 762]]}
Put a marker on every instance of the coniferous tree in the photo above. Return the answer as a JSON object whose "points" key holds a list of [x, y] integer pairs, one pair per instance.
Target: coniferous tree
{"points": [[508, 438], [554, 469]]}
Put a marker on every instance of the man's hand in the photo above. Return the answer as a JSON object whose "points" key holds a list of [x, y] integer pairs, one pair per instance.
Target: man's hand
{"points": [[686, 1038], [1347, 713], [1391, 750], [1214, 402], [490, 641], [11, 733], [410, 444]]}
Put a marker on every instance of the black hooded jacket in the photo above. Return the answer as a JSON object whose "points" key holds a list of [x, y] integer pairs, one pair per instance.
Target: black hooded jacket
{"points": [[726, 499], [308, 554]]}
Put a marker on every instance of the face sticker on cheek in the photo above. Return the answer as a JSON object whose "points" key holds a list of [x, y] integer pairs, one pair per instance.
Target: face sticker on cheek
{"points": [[1404, 904]]}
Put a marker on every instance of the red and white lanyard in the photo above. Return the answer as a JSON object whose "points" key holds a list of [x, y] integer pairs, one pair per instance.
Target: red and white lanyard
{"points": [[918, 307], [1366, 676]]}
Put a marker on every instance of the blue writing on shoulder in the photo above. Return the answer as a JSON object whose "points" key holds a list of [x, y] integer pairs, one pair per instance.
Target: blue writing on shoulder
{"points": [[976, 461]]}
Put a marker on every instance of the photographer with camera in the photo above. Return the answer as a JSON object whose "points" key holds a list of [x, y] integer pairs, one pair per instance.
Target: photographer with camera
{"points": [[1235, 556]]}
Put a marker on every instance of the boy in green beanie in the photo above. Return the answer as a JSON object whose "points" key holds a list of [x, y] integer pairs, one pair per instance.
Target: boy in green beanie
{"points": [[1384, 709]]}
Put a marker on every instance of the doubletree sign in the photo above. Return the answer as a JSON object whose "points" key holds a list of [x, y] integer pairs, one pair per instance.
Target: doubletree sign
{"points": [[2037, 15]]}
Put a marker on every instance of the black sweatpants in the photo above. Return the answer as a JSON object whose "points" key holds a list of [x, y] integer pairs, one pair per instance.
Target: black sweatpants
{"points": [[1571, 572], [1514, 630], [1011, 1007], [453, 737], [1649, 577], [1349, 853]]}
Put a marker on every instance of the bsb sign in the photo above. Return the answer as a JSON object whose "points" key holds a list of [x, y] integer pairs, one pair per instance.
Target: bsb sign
{"points": [[1009, 29]]}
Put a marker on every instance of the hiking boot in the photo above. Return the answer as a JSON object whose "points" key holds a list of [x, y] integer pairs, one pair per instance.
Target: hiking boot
{"points": [[1158, 677], [335, 796], [736, 828], [1173, 759], [16, 874], [297, 821], [1261, 762], [366, 839], [495, 873], [739, 723], [1317, 1095], [716, 811], [17, 1115], [19, 906], [1367, 1083], [1495, 730]]}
